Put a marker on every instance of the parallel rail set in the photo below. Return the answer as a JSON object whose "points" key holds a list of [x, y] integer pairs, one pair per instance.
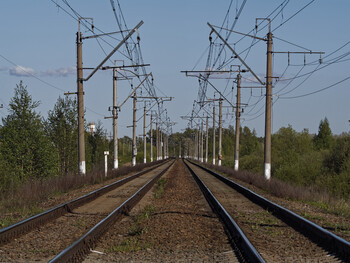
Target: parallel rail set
{"points": [[81, 247]]}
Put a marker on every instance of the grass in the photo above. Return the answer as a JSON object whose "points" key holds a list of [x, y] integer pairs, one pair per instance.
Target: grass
{"points": [[160, 188], [133, 243], [312, 217], [15, 215], [7, 221], [343, 228]]}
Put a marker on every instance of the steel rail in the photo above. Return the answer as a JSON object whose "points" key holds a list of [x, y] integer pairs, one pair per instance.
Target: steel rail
{"points": [[15, 230], [77, 251], [240, 240], [316, 233]]}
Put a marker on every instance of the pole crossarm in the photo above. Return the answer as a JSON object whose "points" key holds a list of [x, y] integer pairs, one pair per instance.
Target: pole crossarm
{"points": [[114, 50], [105, 34], [134, 91], [128, 66], [150, 109], [234, 52], [155, 98], [260, 38], [297, 52], [208, 72]]}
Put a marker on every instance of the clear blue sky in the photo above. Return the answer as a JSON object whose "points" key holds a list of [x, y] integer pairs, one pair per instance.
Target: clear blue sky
{"points": [[41, 38]]}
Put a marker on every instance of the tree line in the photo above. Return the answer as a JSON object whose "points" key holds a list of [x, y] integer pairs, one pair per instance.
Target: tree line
{"points": [[300, 158], [33, 147]]}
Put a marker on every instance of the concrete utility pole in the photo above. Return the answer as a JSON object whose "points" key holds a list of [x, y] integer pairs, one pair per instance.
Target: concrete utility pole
{"points": [[180, 149], [165, 146], [80, 90], [144, 134], [214, 135], [199, 143], [115, 120], [106, 162], [151, 139], [202, 142], [157, 140], [196, 145], [134, 146], [80, 93], [220, 132], [238, 115], [161, 144], [206, 140], [267, 148]]}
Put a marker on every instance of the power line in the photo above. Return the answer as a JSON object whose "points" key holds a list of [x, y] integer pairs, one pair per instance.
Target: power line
{"points": [[292, 16], [317, 91], [31, 74]]}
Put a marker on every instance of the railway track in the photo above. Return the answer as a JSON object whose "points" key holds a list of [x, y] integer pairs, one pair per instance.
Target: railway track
{"points": [[264, 231], [71, 229]]}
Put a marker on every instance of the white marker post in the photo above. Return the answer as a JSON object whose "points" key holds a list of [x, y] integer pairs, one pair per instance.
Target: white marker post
{"points": [[106, 167]]}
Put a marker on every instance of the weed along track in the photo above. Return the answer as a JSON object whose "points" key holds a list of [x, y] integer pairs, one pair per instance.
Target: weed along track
{"points": [[277, 234], [84, 222]]}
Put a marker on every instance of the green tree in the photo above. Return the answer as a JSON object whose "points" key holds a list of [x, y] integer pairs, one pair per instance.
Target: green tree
{"points": [[62, 128], [96, 144], [25, 147], [249, 143], [324, 138]]}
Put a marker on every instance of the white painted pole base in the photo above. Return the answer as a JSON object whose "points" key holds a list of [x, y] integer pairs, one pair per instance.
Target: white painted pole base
{"points": [[106, 168], [115, 164], [236, 165], [133, 161], [82, 169], [267, 169], [151, 159], [144, 160], [214, 161], [219, 162]]}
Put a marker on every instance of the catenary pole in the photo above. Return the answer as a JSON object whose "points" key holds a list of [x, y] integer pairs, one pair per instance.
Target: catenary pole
{"points": [[214, 135], [267, 148], [144, 134], [151, 139], [220, 132], [157, 140], [206, 140], [115, 121], [202, 142], [134, 147], [80, 93], [238, 115]]}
